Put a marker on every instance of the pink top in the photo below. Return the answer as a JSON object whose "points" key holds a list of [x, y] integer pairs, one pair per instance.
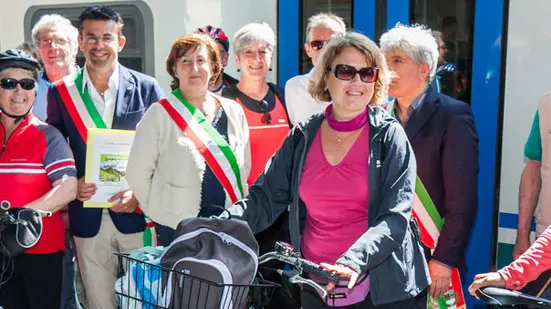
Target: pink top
{"points": [[336, 199], [530, 265]]}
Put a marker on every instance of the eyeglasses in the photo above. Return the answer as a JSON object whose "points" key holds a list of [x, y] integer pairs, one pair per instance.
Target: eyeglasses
{"points": [[58, 42], [347, 72], [317, 44], [266, 117], [11, 83], [91, 40]]}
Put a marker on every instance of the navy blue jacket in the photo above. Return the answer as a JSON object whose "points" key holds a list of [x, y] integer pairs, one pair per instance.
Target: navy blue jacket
{"points": [[443, 135], [390, 250], [136, 93]]}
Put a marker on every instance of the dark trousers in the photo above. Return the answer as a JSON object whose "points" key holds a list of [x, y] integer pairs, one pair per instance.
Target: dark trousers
{"points": [[68, 295], [165, 234], [35, 283], [311, 300]]}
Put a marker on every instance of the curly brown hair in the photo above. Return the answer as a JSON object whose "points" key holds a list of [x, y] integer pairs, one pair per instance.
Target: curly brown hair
{"points": [[191, 42], [374, 57]]}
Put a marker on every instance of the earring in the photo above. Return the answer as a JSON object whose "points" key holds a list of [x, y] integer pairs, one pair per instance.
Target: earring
{"points": [[238, 70], [270, 69]]}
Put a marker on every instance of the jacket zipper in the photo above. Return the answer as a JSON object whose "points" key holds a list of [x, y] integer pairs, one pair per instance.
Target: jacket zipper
{"points": [[299, 174]]}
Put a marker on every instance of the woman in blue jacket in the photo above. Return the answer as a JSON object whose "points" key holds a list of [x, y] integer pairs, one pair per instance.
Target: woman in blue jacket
{"points": [[347, 179]]}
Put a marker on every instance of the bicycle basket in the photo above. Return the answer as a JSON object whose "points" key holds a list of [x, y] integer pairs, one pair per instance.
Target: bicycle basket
{"points": [[143, 286]]}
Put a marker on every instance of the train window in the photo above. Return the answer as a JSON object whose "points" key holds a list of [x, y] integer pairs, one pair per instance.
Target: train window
{"points": [[137, 53], [454, 20], [342, 8]]}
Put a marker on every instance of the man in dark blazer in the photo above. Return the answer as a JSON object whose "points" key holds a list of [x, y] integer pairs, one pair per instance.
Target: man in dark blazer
{"points": [[442, 133], [104, 94]]}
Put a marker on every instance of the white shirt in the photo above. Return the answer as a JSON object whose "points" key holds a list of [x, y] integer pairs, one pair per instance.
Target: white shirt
{"points": [[300, 104], [105, 105]]}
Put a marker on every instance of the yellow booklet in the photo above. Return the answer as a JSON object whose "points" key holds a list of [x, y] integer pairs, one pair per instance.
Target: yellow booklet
{"points": [[106, 159]]}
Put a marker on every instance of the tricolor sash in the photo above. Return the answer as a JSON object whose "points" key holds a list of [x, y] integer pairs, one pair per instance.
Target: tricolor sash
{"points": [[85, 116], [79, 104], [430, 224], [212, 146]]}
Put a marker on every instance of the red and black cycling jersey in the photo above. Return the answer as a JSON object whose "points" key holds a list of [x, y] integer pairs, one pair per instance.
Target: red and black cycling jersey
{"points": [[32, 158]]}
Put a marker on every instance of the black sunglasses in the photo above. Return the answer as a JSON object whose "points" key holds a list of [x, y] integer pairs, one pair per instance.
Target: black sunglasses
{"points": [[266, 117], [348, 72], [317, 44], [11, 83]]}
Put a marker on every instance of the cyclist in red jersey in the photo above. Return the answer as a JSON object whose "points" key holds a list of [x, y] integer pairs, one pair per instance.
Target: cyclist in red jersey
{"points": [[37, 171]]}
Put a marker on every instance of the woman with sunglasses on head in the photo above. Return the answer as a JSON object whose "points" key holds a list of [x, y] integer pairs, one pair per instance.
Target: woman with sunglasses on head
{"points": [[37, 171], [191, 149], [347, 177]]}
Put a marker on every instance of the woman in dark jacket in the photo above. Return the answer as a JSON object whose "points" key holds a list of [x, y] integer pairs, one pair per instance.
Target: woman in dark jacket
{"points": [[347, 178]]}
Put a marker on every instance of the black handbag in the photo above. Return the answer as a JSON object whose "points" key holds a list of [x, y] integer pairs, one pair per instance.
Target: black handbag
{"points": [[23, 232]]}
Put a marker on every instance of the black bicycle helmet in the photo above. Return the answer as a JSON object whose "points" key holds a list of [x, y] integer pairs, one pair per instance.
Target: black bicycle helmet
{"points": [[15, 58]]}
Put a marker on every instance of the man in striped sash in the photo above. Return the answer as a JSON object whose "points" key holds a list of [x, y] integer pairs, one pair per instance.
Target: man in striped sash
{"points": [[104, 95], [443, 136]]}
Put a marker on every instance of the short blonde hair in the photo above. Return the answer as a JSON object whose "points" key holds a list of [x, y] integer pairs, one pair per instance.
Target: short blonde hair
{"points": [[373, 55]]}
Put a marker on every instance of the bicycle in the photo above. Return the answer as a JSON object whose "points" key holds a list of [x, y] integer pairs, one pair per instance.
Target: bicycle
{"points": [[504, 298], [206, 294]]}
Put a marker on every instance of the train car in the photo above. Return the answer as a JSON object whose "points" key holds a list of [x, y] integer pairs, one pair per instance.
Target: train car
{"points": [[495, 52]]}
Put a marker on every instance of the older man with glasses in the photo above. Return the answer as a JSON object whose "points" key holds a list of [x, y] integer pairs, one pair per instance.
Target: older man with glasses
{"points": [[321, 28], [56, 41]]}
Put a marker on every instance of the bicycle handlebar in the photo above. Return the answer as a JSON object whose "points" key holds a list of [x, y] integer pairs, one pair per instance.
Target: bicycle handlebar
{"points": [[284, 253], [504, 297]]}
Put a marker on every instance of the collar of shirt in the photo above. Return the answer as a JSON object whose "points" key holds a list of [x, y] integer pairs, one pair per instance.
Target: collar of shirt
{"points": [[112, 84], [415, 105], [105, 104]]}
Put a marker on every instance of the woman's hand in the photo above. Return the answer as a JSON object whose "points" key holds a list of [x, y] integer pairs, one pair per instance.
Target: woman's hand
{"points": [[487, 279], [343, 271]]}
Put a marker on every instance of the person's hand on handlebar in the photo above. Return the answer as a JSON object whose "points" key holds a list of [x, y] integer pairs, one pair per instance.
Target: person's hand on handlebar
{"points": [[343, 271], [484, 280]]}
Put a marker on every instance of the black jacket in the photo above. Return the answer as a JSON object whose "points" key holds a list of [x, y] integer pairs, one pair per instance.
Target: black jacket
{"points": [[390, 250], [443, 136]]}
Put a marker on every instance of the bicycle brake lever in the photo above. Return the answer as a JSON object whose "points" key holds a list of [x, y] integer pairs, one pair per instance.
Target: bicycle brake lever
{"points": [[297, 279]]}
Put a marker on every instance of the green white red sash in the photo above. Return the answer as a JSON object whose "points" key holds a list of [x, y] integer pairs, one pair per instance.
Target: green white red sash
{"points": [[79, 104], [430, 224], [85, 116], [212, 146]]}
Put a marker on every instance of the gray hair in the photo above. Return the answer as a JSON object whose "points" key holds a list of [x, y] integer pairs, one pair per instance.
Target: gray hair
{"points": [[253, 33], [416, 40], [329, 20], [58, 23]]}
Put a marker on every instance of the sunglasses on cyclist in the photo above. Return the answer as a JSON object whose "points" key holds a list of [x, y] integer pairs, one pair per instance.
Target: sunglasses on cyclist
{"points": [[347, 72], [11, 83], [266, 117], [317, 44]]}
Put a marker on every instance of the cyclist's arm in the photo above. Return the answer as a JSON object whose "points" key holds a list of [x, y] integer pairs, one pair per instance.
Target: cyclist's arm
{"points": [[530, 265], [60, 169]]}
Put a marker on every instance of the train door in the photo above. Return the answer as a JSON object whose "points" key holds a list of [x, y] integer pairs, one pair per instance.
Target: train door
{"points": [[469, 70], [292, 21]]}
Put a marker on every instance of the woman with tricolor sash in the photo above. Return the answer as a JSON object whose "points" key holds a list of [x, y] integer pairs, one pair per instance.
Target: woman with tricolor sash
{"points": [[191, 150]]}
